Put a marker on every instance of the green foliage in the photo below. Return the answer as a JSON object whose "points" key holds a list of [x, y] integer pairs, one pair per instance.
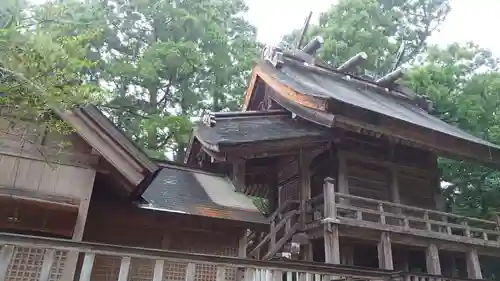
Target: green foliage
{"points": [[376, 27], [262, 205], [43, 60], [169, 60], [464, 86]]}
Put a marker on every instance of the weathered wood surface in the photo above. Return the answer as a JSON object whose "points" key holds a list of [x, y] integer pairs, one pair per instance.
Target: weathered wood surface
{"points": [[28, 140], [399, 218], [19, 175], [286, 214], [331, 231], [160, 258], [253, 270]]}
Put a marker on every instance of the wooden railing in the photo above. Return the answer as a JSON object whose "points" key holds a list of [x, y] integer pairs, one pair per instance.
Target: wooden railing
{"points": [[408, 276], [388, 216], [283, 225], [242, 269]]}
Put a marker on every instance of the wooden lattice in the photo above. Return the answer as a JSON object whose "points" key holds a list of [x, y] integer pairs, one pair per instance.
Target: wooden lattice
{"points": [[26, 265], [141, 270], [107, 268]]}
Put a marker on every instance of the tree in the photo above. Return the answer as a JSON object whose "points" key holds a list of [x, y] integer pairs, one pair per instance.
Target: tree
{"points": [[378, 28], [168, 60], [43, 61], [464, 86]]}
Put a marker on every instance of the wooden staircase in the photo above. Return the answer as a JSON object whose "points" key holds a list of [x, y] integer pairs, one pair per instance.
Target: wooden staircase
{"points": [[284, 224]]}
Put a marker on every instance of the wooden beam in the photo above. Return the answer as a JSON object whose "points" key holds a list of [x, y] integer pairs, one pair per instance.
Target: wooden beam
{"points": [[125, 163], [242, 253], [239, 176], [48, 262], [47, 154], [317, 103], [385, 251], [347, 255], [435, 141], [242, 244], [221, 274], [158, 270], [190, 272], [304, 185], [250, 90], [288, 235], [432, 260], [124, 269], [50, 201], [473, 265], [83, 209], [193, 258], [272, 196], [88, 264], [394, 186], [6, 253], [342, 181]]}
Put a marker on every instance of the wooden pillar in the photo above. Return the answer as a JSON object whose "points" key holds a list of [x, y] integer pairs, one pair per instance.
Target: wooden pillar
{"points": [[395, 196], [331, 230], [385, 252], [473, 265], [272, 196], [87, 185], [305, 184], [308, 252], [342, 181], [432, 260], [454, 268], [242, 253], [242, 244], [405, 263], [347, 255], [239, 176]]}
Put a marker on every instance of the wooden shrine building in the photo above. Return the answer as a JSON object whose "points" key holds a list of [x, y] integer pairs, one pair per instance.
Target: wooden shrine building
{"points": [[347, 165], [104, 189]]}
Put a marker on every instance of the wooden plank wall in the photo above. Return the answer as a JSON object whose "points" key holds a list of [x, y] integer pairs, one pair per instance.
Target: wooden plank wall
{"points": [[288, 180], [368, 180], [121, 225], [45, 177], [372, 165], [33, 160]]}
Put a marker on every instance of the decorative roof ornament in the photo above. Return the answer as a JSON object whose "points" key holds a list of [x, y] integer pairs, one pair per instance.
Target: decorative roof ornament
{"points": [[208, 119], [274, 55], [399, 56], [390, 78], [313, 46], [351, 64]]}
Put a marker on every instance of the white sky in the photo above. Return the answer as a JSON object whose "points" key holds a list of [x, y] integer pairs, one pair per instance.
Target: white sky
{"points": [[469, 20]]}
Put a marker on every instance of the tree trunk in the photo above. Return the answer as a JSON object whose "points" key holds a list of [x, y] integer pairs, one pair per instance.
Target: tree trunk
{"points": [[152, 131]]}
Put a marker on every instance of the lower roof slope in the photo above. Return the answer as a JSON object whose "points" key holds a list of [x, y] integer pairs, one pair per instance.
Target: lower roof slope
{"points": [[186, 191], [242, 128]]}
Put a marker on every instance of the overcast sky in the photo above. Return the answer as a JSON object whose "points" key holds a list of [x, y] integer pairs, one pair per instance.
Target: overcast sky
{"points": [[469, 20]]}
